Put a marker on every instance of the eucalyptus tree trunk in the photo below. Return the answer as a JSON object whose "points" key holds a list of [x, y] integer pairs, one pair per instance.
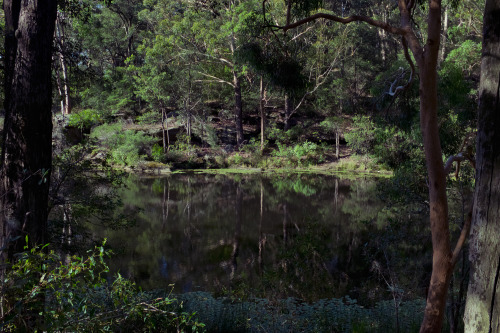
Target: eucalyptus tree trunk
{"points": [[27, 146], [237, 231], [238, 108], [426, 56], [163, 120], [337, 144], [288, 112], [482, 309], [238, 102], [442, 53], [64, 85], [262, 113]]}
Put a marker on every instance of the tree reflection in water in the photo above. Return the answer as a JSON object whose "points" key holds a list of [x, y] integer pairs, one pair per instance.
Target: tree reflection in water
{"points": [[274, 236]]}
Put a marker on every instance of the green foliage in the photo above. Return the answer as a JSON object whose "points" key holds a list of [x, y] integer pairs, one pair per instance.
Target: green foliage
{"points": [[40, 292], [150, 117], [157, 153], [127, 147], [130, 147], [389, 144], [361, 138], [466, 56], [333, 124], [85, 119], [236, 159], [301, 154]]}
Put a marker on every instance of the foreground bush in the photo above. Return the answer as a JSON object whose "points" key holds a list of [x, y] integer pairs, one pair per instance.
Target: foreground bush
{"points": [[41, 293]]}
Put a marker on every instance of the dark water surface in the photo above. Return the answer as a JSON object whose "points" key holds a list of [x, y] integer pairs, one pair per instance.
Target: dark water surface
{"points": [[274, 236]]}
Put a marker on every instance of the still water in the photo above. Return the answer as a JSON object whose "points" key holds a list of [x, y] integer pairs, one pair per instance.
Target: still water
{"points": [[274, 236]]}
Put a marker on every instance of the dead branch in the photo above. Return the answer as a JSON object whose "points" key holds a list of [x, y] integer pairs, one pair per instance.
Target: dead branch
{"points": [[462, 238]]}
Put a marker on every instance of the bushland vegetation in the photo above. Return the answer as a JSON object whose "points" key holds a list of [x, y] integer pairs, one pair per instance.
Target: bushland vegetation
{"points": [[159, 85]]}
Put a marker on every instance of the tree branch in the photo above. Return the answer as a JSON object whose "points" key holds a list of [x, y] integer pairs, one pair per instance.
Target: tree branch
{"points": [[214, 79], [462, 238], [454, 158], [354, 18], [412, 72]]}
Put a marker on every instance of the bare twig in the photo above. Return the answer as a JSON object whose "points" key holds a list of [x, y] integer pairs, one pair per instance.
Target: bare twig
{"points": [[462, 238]]}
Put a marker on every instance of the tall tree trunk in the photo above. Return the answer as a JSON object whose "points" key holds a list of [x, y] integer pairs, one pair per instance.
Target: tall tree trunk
{"points": [[64, 86], [163, 119], [382, 35], [426, 57], [442, 267], [238, 108], [262, 113], [238, 103], [482, 309], [442, 53], [237, 231], [288, 112], [27, 146]]}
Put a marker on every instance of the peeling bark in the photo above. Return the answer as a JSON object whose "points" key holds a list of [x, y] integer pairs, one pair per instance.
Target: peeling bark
{"points": [[482, 310]]}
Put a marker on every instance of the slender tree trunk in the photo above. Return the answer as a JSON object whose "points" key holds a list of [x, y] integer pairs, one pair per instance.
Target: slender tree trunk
{"points": [[288, 112], [238, 103], [188, 107], [163, 118], [262, 239], [382, 35], [64, 70], [27, 146], [238, 109], [166, 129], [426, 57], [442, 53], [482, 309], [337, 144], [262, 114], [237, 231], [442, 263], [441, 255]]}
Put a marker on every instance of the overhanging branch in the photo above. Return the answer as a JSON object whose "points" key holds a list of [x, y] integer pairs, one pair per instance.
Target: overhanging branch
{"points": [[354, 18]]}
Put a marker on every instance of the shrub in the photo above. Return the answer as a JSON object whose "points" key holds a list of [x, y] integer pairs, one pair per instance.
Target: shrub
{"points": [[362, 137], [130, 146], [41, 293], [127, 147], [151, 117], [236, 160], [84, 119], [157, 153], [302, 154]]}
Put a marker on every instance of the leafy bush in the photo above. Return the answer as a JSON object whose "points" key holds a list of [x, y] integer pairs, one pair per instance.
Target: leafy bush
{"points": [[157, 153], [301, 154], [106, 132], [235, 159], [130, 146], [151, 117], [388, 144], [84, 119], [41, 293], [362, 137], [127, 147]]}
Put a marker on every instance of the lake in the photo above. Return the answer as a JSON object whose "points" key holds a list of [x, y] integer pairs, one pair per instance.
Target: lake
{"points": [[266, 235]]}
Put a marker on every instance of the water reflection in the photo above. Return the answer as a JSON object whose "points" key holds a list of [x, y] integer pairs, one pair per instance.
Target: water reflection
{"points": [[260, 235]]}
